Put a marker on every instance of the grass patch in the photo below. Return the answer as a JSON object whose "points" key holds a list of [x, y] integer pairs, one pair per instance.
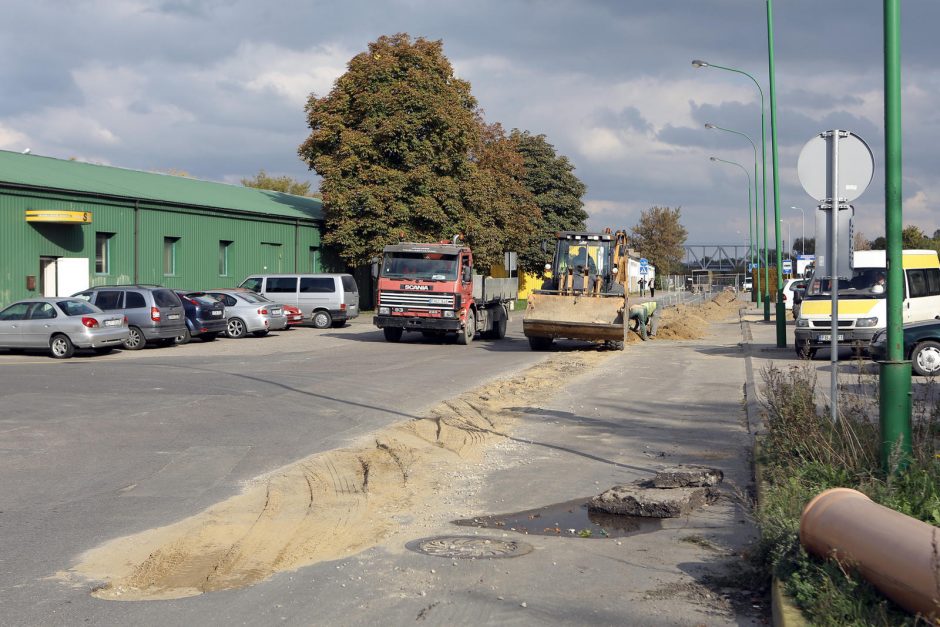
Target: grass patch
{"points": [[804, 453]]}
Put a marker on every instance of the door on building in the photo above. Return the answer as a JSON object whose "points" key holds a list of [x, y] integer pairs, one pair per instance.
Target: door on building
{"points": [[47, 276], [63, 276], [271, 257]]}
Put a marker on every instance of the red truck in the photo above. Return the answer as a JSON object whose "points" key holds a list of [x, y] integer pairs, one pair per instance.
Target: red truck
{"points": [[432, 288]]}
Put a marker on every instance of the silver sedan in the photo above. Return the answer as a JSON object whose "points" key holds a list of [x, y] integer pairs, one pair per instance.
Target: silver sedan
{"points": [[60, 325], [247, 312]]}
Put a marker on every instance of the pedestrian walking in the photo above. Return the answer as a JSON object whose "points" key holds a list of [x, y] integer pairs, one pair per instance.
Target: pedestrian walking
{"points": [[652, 288], [642, 284]]}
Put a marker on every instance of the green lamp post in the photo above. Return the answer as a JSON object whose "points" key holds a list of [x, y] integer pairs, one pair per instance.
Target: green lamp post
{"points": [[743, 169]]}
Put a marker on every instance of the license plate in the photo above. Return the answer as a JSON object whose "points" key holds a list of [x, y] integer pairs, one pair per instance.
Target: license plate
{"points": [[116, 322], [276, 312], [173, 317], [828, 338], [216, 313]]}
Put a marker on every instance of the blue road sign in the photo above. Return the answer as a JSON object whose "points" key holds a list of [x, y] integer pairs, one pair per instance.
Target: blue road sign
{"points": [[787, 266]]}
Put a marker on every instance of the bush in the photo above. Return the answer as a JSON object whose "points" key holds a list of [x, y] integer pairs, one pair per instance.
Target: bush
{"points": [[803, 453]]}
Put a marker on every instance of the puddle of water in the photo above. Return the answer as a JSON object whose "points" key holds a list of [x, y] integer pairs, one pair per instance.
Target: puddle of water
{"points": [[570, 519]]}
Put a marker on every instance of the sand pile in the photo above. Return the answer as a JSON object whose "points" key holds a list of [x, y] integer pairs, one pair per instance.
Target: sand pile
{"points": [[690, 322]]}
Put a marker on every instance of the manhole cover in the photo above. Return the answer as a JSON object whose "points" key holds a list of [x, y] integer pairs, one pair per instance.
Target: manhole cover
{"points": [[469, 547]]}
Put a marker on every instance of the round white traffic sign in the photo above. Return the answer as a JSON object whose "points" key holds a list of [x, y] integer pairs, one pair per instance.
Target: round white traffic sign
{"points": [[856, 166]]}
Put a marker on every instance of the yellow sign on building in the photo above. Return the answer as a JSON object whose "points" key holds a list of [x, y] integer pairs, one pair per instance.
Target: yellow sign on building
{"points": [[60, 217]]}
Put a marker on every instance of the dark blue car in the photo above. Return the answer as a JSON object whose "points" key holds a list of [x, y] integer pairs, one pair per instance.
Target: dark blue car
{"points": [[921, 346], [205, 317]]}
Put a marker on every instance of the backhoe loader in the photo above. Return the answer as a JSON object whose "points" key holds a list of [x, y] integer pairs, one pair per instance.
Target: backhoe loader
{"points": [[584, 298]]}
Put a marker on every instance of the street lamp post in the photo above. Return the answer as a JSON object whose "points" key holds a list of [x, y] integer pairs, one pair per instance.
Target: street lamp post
{"points": [[756, 217], [781, 308], [716, 159], [698, 63], [802, 230]]}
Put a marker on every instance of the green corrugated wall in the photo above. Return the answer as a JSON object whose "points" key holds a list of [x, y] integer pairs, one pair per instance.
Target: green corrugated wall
{"points": [[258, 241]]}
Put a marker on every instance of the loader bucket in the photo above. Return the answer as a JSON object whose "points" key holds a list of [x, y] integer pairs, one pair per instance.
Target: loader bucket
{"points": [[578, 317]]}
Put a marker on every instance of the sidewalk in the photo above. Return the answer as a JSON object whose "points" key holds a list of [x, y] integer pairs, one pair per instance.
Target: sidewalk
{"points": [[656, 404]]}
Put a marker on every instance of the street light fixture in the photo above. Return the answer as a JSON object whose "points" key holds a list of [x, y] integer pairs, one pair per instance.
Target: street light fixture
{"points": [[709, 125], [698, 63], [743, 169], [802, 229]]}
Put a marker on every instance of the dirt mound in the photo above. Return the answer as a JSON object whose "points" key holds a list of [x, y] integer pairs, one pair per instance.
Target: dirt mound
{"points": [[690, 322], [327, 506]]}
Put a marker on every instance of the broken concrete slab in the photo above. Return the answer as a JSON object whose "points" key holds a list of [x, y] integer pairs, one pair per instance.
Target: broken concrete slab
{"points": [[682, 476], [637, 500]]}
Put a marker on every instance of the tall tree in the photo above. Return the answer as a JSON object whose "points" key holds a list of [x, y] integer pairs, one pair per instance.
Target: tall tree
{"points": [[501, 213], [392, 142], [860, 242], [808, 244], [660, 237], [557, 192], [285, 184], [914, 238]]}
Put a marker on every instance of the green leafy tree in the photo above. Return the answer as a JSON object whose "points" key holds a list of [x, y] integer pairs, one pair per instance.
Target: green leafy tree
{"points": [[501, 213], [912, 237], [557, 192], [285, 184], [809, 244], [660, 237], [392, 141]]}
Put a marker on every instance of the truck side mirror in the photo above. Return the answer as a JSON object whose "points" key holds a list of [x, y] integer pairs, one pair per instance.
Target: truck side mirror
{"points": [[375, 267], [467, 274]]}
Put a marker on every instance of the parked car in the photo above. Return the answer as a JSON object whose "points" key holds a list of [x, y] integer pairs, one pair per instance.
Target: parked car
{"points": [[747, 286], [325, 299], [205, 317], [60, 325], [921, 346], [294, 315], [154, 313], [247, 312]]}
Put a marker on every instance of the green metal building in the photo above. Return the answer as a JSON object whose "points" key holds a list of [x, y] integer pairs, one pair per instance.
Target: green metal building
{"points": [[66, 225]]}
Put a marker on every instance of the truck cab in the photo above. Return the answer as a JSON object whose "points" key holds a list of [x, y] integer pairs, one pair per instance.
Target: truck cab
{"points": [[432, 289]]}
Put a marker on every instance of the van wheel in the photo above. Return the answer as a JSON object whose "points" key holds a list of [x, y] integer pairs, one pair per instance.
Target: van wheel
{"points": [[135, 340], [393, 334], [926, 359], [61, 346], [236, 328], [322, 319], [466, 336]]}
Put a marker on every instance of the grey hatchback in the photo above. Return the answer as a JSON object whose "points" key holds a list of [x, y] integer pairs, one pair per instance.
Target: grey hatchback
{"points": [[153, 313]]}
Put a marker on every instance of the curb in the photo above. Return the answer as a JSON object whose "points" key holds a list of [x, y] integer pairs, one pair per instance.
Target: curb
{"points": [[784, 611]]}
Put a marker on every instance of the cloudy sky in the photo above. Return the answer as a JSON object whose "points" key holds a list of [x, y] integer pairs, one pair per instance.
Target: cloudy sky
{"points": [[217, 88]]}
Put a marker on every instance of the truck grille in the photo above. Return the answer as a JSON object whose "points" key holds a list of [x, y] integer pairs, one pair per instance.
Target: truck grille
{"points": [[415, 300]]}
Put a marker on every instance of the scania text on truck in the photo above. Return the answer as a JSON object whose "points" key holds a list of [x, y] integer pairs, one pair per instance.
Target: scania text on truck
{"points": [[433, 289]]}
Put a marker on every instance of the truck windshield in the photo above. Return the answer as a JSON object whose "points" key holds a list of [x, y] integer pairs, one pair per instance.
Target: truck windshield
{"points": [[431, 266], [580, 254], [865, 283]]}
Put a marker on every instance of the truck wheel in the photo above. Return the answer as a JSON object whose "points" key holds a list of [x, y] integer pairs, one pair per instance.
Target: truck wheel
{"points": [[540, 343], [393, 334], [499, 329], [466, 336]]}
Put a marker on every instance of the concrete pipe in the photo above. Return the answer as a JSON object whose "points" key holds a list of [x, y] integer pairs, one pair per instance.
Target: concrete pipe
{"points": [[898, 554]]}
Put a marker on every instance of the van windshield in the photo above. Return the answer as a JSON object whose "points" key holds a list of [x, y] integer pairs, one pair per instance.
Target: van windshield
{"points": [[432, 266], [865, 283]]}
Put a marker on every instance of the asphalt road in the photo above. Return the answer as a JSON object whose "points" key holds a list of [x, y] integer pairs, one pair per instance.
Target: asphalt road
{"points": [[98, 447]]}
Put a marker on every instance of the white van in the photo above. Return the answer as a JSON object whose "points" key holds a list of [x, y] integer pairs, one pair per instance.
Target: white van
{"points": [[324, 299], [862, 306]]}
